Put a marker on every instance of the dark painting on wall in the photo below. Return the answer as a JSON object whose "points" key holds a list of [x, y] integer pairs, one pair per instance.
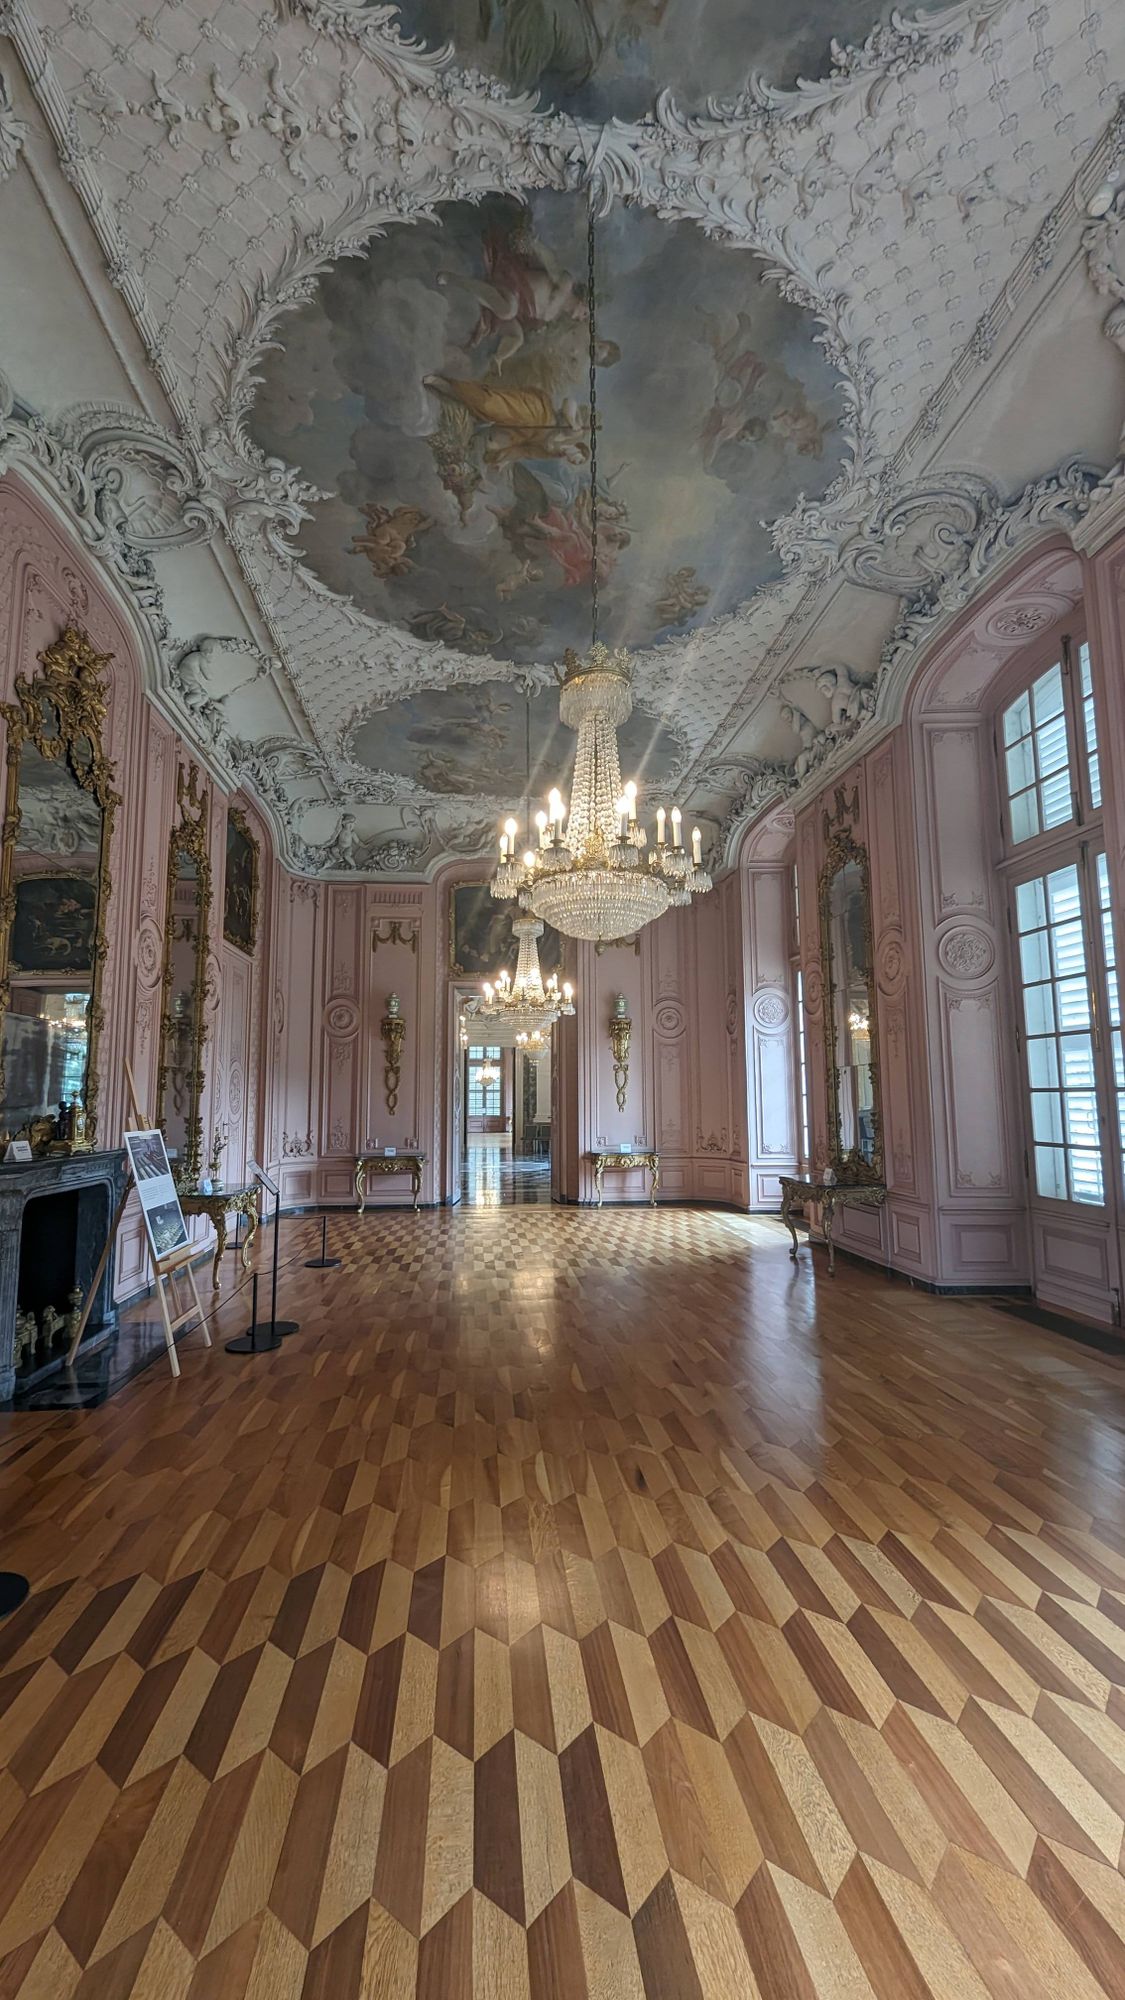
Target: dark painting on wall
{"points": [[53, 927], [480, 935], [240, 891]]}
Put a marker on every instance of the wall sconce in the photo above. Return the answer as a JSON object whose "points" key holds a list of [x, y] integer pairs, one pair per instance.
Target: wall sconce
{"points": [[620, 1030], [393, 1030]]}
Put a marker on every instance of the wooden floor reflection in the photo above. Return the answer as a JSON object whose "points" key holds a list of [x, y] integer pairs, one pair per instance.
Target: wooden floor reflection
{"points": [[580, 1607]]}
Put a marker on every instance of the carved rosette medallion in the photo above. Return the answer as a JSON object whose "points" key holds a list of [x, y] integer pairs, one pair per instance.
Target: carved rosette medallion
{"points": [[890, 964], [966, 952], [771, 1010]]}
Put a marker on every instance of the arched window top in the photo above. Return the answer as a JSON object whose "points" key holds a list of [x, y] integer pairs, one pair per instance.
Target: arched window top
{"points": [[1048, 748]]}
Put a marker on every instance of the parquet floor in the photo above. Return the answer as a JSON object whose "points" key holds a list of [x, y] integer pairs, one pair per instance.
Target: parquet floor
{"points": [[581, 1607]]}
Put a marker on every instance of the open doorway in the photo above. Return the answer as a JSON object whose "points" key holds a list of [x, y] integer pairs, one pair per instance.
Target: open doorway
{"points": [[506, 1130]]}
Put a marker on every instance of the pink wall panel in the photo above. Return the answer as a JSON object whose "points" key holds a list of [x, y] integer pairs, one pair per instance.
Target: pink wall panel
{"points": [[46, 582]]}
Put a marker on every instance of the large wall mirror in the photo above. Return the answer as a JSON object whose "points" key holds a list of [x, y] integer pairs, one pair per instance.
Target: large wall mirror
{"points": [[183, 1027], [54, 892], [855, 1135]]}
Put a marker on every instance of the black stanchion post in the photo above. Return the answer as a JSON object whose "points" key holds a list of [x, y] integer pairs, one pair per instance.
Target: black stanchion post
{"points": [[278, 1326], [324, 1262], [253, 1341]]}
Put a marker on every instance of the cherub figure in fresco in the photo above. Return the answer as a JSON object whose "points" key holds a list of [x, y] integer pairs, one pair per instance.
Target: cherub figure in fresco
{"points": [[798, 423], [550, 518], [524, 288], [681, 595], [523, 422], [455, 628], [388, 537], [739, 370]]}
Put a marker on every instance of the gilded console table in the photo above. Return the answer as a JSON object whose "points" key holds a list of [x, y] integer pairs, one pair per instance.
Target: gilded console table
{"points": [[624, 1163], [379, 1163], [829, 1196], [216, 1207]]}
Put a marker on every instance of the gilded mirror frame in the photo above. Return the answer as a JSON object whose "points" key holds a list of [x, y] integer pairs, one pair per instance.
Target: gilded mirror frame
{"points": [[850, 1166], [75, 683], [188, 836]]}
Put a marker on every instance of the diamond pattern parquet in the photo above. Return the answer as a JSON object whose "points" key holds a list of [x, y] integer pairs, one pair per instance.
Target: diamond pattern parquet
{"points": [[581, 1607]]}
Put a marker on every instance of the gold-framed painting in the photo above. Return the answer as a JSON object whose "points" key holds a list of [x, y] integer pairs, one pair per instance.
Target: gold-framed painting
{"points": [[240, 884], [480, 935]]}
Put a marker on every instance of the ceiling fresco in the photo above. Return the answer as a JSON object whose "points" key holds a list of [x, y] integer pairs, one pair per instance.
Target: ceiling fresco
{"points": [[342, 475], [437, 389], [612, 58], [471, 742]]}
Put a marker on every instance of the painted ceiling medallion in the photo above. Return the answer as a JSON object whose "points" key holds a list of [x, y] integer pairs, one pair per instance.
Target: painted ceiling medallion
{"points": [[612, 58], [437, 388]]}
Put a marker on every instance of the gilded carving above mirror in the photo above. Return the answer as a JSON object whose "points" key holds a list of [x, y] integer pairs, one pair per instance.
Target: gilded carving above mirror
{"points": [[855, 1130], [183, 1027], [54, 891]]}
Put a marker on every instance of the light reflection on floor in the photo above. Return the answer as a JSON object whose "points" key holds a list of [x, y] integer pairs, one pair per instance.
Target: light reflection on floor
{"points": [[491, 1178]]}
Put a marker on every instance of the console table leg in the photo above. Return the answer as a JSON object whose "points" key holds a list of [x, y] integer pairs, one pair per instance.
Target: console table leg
{"points": [[360, 1192], [220, 1246], [655, 1172], [829, 1212], [251, 1232], [787, 1218], [598, 1179]]}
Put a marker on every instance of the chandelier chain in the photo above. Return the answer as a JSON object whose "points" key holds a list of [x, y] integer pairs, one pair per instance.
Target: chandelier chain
{"points": [[592, 323]]}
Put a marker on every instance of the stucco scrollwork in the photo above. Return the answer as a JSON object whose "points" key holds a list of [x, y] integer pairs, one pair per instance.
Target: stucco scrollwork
{"points": [[13, 131], [812, 989], [920, 536], [668, 1018], [966, 952], [147, 953]]}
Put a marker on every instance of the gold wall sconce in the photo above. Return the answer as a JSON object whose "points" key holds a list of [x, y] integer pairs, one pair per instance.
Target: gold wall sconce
{"points": [[393, 1030], [620, 1031]]}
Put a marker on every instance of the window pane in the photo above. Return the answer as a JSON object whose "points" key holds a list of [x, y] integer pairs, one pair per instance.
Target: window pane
{"points": [[1047, 1116], [1025, 816], [1050, 745], [1076, 1062], [1020, 764], [1017, 719], [1031, 905], [1050, 1172], [1090, 724], [1047, 695], [1068, 951], [1055, 802], [1063, 900], [1043, 1065], [1035, 956], [1039, 1010], [1086, 1177], [1072, 999]]}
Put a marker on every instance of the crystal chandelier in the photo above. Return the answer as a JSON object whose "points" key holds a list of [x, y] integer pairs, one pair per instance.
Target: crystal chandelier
{"points": [[514, 1011], [594, 874]]}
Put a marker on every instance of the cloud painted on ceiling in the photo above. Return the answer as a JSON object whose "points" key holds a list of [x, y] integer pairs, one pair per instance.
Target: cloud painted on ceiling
{"points": [[612, 58], [473, 741], [436, 387]]}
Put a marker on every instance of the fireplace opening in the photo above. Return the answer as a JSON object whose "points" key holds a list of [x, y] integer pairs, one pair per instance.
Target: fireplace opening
{"points": [[61, 1239]]}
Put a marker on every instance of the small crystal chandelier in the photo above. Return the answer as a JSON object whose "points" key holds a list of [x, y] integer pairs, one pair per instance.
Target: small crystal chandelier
{"points": [[515, 1010], [593, 874]]}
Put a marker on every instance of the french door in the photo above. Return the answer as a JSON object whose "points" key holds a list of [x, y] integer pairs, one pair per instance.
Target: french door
{"points": [[1070, 1042]]}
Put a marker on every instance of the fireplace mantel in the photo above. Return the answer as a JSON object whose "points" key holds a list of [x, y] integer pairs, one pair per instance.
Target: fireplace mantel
{"points": [[66, 1255]]}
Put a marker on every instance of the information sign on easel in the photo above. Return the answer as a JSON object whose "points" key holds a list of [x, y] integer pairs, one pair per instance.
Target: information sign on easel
{"points": [[170, 1247]]}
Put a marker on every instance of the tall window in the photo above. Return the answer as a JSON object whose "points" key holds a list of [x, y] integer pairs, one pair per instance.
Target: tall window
{"points": [[1066, 962], [484, 1081]]}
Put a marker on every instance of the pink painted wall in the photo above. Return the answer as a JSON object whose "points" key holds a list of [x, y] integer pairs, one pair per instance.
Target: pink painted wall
{"points": [[959, 1211], [46, 582]]}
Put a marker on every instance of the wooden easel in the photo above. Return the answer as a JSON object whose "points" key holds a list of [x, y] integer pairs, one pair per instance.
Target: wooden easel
{"points": [[178, 1264]]}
